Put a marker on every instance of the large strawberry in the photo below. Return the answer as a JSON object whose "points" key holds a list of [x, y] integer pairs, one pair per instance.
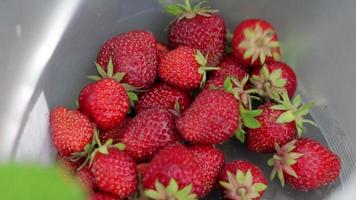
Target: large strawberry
{"points": [[133, 53], [148, 132], [86, 178], [164, 95], [198, 27], [114, 134], [279, 123], [173, 173], [255, 41], [211, 161], [243, 180], [162, 50], [71, 131], [274, 78], [184, 67], [305, 164], [106, 101], [114, 171], [211, 119]]}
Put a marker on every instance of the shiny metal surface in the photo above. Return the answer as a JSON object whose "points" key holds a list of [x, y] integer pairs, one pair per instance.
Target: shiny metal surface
{"points": [[48, 47]]}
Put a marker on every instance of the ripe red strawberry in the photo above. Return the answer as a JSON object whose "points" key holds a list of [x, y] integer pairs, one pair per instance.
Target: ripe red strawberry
{"points": [[175, 169], [102, 196], [273, 78], [114, 134], [243, 180], [228, 67], [255, 41], [86, 178], [305, 164], [148, 132], [211, 161], [279, 123], [211, 119], [134, 53], [184, 67], [114, 172], [164, 95], [199, 28], [70, 130], [162, 50]]}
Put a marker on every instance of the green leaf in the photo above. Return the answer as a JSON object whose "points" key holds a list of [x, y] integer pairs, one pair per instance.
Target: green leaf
{"points": [[152, 194], [248, 53], [240, 177], [273, 174], [228, 84], [185, 191], [100, 70], [225, 185], [133, 97], [253, 113], [262, 57], [199, 57], [285, 117], [94, 78], [281, 82], [279, 107], [297, 101], [174, 10], [310, 122], [103, 150], [274, 44], [119, 76], [240, 135], [110, 68], [120, 146], [280, 177], [265, 72], [270, 162], [172, 186], [250, 122], [276, 74], [259, 187]]}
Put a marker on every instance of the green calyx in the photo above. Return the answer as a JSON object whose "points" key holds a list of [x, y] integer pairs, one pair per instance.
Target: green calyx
{"points": [[247, 116], [171, 192], [294, 111], [258, 44], [282, 161], [92, 149], [109, 73], [269, 85], [203, 69], [241, 186], [188, 11]]}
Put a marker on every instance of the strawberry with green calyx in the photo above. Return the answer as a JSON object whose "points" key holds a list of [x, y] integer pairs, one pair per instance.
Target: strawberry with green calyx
{"points": [[255, 41], [233, 86], [206, 29], [171, 192], [242, 180], [184, 68], [106, 101], [294, 111], [304, 164], [274, 78]]}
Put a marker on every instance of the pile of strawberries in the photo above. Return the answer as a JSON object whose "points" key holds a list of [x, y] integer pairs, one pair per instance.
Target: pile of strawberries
{"points": [[147, 125]]}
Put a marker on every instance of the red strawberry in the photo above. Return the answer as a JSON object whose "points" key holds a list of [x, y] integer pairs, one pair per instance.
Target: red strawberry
{"points": [[255, 41], [211, 161], [274, 78], [279, 123], [199, 28], [228, 67], [211, 119], [86, 178], [102, 196], [134, 53], [148, 132], [243, 180], [164, 95], [115, 134], [162, 50], [305, 164], [174, 169], [71, 130], [184, 67], [114, 172]]}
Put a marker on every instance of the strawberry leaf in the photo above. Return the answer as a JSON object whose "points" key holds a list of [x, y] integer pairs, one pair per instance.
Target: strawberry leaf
{"points": [[285, 117]]}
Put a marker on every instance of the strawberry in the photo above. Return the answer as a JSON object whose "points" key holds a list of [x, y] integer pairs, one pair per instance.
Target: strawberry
{"points": [[274, 78], [211, 119], [68, 164], [279, 123], [86, 178], [114, 134], [305, 164], [228, 67], [162, 50], [243, 180], [71, 131], [211, 161], [173, 173], [114, 171], [164, 95], [134, 53], [198, 27], [184, 67], [102, 196], [148, 132], [255, 41], [106, 101]]}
